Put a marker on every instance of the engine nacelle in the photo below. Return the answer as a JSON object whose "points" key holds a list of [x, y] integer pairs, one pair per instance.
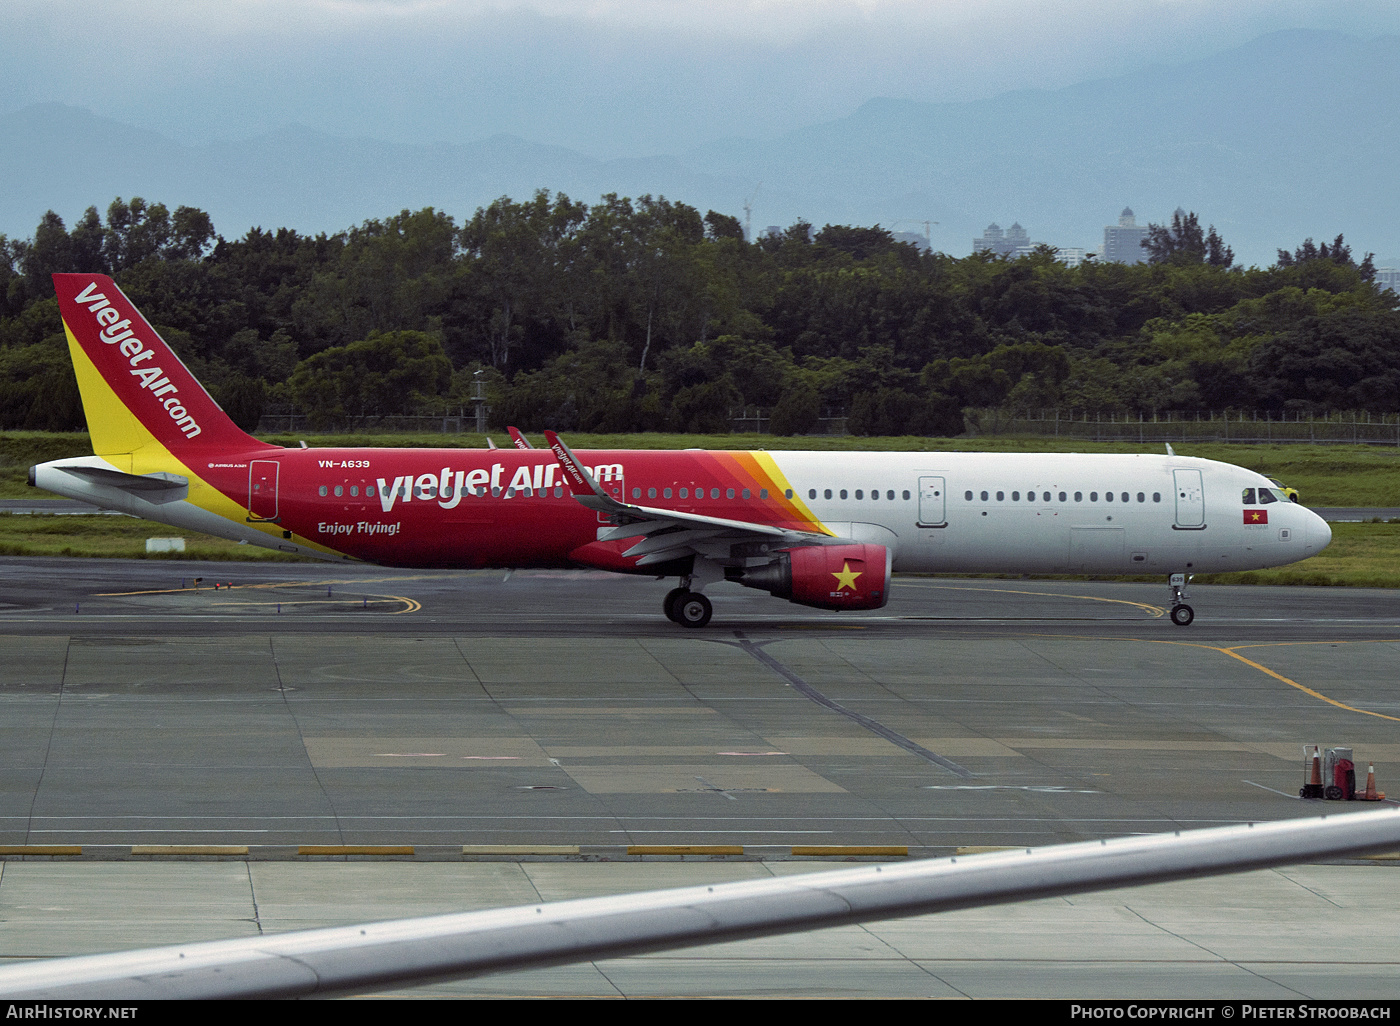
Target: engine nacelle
{"points": [[825, 576]]}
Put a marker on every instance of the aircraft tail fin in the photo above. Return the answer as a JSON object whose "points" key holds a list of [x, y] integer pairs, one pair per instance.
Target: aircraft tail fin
{"points": [[135, 390]]}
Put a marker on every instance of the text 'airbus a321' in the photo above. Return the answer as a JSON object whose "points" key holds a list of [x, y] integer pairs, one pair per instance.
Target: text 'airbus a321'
{"points": [[823, 529]]}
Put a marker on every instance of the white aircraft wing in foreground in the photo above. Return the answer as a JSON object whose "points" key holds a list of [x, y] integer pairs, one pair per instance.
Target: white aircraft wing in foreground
{"points": [[408, 951]]}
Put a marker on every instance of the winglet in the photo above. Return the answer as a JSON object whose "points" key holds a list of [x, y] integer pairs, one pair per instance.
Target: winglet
{"points": [[521, 442], [490, 444], [582, 484]]}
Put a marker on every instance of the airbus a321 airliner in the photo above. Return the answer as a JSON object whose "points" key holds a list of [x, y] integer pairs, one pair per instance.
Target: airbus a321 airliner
{"points": [[823, 529]]}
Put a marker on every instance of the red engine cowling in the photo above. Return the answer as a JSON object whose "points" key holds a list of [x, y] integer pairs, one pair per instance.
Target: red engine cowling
{"points": [[826, 576]]}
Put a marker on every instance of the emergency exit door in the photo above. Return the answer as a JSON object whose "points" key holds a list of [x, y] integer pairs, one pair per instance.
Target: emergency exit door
{"points": [[933, 502], [262, 490]]}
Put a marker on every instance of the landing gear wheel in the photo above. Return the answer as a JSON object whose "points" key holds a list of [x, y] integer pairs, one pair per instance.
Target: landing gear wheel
{"points": [[668, 604], [693, 610], [1182, 615]]}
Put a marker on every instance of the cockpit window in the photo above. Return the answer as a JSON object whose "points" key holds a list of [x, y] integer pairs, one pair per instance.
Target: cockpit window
{"points": [[1248, 497], [1265, 495]]}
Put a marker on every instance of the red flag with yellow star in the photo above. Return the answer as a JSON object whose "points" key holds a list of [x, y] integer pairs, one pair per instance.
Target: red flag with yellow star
{"points": [[1256, 516]]}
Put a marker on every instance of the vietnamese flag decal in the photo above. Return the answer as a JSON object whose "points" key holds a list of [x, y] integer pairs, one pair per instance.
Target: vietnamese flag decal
{"points": [[1256, 516]]}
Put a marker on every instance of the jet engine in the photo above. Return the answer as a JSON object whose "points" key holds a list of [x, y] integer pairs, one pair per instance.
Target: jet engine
{"points": [[825, 576]]}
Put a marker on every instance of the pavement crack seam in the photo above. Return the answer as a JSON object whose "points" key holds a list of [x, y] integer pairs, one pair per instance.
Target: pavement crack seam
{"points": [[874, 726], [253, 897], [1222, 957], [48, 745], [320, 784]]}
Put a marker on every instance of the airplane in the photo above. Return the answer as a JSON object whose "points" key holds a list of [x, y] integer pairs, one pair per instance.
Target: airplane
{"points": [[821, 529]]}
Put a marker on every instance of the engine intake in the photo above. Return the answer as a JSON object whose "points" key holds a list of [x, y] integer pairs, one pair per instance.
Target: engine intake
{"points": [[824, 576]]}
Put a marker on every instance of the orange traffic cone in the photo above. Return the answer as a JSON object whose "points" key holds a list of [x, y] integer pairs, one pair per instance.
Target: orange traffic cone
{"points": [[1313, 788], [1372, 795]]}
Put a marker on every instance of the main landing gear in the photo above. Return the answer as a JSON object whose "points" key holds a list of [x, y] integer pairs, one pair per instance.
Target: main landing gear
{"points": [[1182, 614], [687, 608]]}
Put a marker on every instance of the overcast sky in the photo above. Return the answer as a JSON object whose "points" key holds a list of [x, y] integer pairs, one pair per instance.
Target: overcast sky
{"points": [[608, 77]]}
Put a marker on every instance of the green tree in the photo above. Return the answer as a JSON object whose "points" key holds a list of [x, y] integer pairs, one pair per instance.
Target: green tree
{"points": [[386, 374], [1183, 242]]}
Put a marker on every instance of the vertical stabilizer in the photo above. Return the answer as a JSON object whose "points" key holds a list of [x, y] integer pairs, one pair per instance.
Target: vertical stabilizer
{"points": [[136, 391]]}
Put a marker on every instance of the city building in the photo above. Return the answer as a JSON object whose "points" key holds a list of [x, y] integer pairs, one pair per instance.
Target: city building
{"points": [[1388, 278], [1071, 256], [1122, 243], [1012, 242]]}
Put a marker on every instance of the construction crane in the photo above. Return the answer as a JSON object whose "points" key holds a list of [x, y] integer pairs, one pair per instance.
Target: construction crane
{"points": [[928, 229]]}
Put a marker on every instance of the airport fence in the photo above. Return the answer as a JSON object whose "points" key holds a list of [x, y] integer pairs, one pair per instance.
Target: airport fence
{"points": [[1358, 427]]}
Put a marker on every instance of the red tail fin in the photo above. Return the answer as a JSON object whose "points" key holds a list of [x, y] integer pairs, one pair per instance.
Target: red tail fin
{"points": [[134, 387]]}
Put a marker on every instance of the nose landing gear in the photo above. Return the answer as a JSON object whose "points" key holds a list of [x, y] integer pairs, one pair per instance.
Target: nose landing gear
{"points": [[1181, 614]]}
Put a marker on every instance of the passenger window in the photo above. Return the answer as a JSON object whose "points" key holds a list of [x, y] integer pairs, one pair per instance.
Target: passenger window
{"points": [[1093, 496], [729, 493], [906, 494], [1001, 496], [1063, 496], [746, 493], [811, 493], [1016, 496], [1142, 497], [874, 493], [369, 491], [354, 490], [1046, 497], [1107, 496], [636, 493], [685, 493], [322, 491], [1124, 496], [984, 496], [339, 491], [651, 493], [1156, 496], [1248, 497], [665, 493], [890, 495], [714, 493], [843, 493], [826, 494], [860, 494], [967, 496], [1078, 496]]}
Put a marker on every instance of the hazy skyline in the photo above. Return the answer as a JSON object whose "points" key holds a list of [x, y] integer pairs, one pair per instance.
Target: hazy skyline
{"points": [[609, 78]]}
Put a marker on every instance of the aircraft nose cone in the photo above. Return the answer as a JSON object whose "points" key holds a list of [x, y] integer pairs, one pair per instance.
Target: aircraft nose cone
{"points": [[1319, 533]]}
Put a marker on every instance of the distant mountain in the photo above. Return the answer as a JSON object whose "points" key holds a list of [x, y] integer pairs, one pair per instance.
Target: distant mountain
{"points": [[1292, 135], [63, 158]]}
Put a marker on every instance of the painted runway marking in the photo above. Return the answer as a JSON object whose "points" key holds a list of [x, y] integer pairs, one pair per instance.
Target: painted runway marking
{"points": [[1156, 612], [1038, 788], [1263, 788]]}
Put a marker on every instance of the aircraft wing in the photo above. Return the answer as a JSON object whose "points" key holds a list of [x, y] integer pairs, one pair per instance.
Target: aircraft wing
{"points": [[404, 952], [667, 533]]}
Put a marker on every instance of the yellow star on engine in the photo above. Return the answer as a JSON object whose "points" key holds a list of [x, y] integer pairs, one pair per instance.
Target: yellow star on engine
{"points": [[847, 577]]}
